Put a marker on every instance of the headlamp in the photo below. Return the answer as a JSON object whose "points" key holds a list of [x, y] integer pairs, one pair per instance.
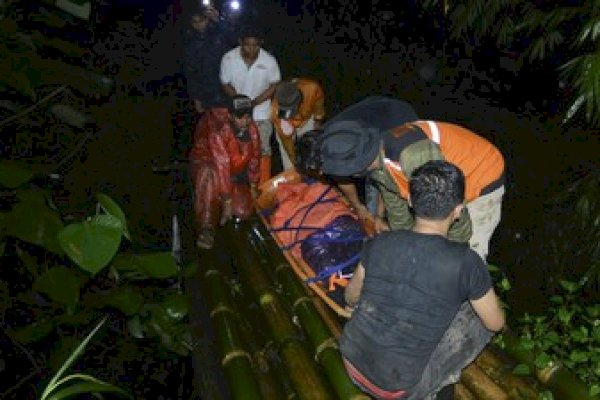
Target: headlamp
{"points": [[234, 5]]}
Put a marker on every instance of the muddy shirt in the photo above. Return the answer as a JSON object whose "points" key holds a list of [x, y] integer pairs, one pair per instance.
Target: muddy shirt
{"points": [[414, 285]]}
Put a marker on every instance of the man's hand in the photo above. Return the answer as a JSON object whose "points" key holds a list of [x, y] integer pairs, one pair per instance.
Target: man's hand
{"points": [[226, 211], [254, 191], [381, 225], [211, 13], [362, 212]]}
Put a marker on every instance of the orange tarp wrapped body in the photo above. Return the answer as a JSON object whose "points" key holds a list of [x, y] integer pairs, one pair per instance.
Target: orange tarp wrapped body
{"points": [[304, 205], [271, 192]]}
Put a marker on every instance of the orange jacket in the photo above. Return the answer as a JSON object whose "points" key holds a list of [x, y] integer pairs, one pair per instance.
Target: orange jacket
{"points": [[312, 105], [480, 161], [215, 141], [293, 201]]}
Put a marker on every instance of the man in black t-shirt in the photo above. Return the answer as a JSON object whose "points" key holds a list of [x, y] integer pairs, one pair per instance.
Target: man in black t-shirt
{"points": [[424, 306]]}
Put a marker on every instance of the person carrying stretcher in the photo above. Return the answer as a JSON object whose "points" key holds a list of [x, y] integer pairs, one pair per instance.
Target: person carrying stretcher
{"points": [[224, 163]]}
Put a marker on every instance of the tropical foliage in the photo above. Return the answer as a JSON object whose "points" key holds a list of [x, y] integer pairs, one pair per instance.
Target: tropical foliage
{"points": [[569, 332], [64, 271], [64, 276], [564, 35]]}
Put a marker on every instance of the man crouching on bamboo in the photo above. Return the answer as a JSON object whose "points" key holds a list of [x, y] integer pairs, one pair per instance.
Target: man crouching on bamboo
{"points": [[424, 306], [224, 166]]}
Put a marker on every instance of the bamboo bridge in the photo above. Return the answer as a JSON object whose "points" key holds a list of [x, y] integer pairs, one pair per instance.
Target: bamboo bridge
{"points": [[277, 340]]}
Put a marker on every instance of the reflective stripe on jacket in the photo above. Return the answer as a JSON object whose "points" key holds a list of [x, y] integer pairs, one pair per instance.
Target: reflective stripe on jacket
{"points": [[480, 161]]}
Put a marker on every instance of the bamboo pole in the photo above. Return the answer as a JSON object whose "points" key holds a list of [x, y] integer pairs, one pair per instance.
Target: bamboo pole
{"points": [[562, 382], [303, 371], [265, 245], [461, 392], [235, 359], [272, 384], [317, 330], [481, 385], [500, 370]]}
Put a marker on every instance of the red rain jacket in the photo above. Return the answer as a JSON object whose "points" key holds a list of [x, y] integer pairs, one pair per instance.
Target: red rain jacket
{"points": [[215, 141]]}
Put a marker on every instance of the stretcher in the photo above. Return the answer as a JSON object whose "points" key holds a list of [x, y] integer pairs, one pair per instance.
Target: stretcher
{"points": [[329, 288]]}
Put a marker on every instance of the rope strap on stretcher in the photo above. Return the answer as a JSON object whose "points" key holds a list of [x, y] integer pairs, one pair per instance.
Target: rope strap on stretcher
{"points": [[306, 209]]}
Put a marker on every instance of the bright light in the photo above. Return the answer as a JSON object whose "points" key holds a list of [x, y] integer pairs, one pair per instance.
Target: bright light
{"points": [[235, 5], [206, 2]]}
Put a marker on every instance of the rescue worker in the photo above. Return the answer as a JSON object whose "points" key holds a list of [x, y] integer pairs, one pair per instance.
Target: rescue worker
{"points": [[380, 113], [348, 148], [224, 166], [423, 306], [204, 45], [252, 71], [297, 107]]}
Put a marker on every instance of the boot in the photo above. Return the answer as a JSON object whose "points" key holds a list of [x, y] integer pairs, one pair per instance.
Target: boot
{"points": [[265, 169]]}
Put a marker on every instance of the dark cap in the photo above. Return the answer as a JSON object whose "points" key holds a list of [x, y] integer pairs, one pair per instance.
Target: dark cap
{"points": [[240, 105], [288, 98], [348, 148]]}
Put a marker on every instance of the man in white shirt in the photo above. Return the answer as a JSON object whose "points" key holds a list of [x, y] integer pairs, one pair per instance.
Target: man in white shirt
{"points": [[250, 70]]}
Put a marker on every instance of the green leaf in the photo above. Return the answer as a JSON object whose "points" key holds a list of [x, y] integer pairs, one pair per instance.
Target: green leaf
{"points": [[81, 316], [171, 335], [564, 315], [13, 175], [175, 307], [34, 197], [92, 244], [493, 268], [596, 330], [543, 360], [69, 115], [87, 387], [60, 284], [34, 223], [569, 286], [505, 284], [54, 382], [126, 299], [32, 332], [152, 265], [579, 356], [580, 335], [526, 344], [552, 337], [546, 395], [135, 327], [594, 390], [593, 311], [78, 8], [522, 370], [111, 207]]}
